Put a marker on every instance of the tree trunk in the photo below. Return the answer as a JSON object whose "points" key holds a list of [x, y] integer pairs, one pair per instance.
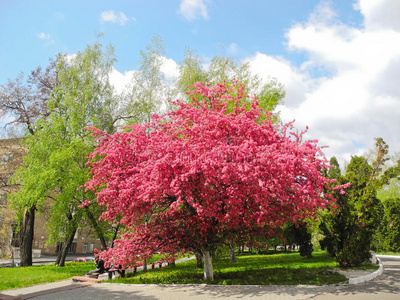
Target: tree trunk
{"points": [[208, 266], [72, 227], [64, 251], [114, 236], [27, 237], [58, 259], [144, 265], [96, 228], [232, 254], [199, 261]]}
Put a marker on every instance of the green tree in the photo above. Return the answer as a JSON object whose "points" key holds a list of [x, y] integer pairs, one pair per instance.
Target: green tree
{"points": [[225, 69], [22, 102], [300, 234], [349, 228], [392, 189], [148, 93], [55, 165], [387, 237]]}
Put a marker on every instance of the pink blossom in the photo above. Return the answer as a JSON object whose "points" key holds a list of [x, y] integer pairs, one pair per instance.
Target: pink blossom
{"points": [[198, 176]]}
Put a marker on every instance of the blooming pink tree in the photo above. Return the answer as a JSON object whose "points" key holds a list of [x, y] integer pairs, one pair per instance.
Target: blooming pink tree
{"points": [[191, 180]]}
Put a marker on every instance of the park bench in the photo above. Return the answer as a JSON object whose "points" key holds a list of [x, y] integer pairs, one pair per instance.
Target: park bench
{"points": [[112, 270]]}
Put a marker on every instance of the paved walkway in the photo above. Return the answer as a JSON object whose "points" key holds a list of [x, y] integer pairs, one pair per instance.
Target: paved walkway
{"points": [[46, 259], [383, 287]]}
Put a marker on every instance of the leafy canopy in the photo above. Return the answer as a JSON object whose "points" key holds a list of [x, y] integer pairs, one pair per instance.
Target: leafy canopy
{"points": [[190, 180], [54, 166]]}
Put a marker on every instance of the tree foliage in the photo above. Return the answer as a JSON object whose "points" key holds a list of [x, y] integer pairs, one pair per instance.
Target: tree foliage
{"points": [[56, 103], [387, 237], [191, 180], [349, 228], [225, 69], [54, 166], [24, 101], [148, 93], [300, 234]]}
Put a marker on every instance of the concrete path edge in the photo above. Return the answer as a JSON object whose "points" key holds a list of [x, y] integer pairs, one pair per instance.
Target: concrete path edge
{"points": [[368, 277]]}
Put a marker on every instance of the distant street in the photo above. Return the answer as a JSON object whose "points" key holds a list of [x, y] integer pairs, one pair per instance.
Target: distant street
{"points": [[45, 259]]}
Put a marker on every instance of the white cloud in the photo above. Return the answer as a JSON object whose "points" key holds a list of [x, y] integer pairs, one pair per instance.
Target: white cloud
{"points": [[43, 36], [323, 13], [360, 99], [380, 14], [121, 81], [297, 84], [111, 16], [193, 9], [70, 57], [170, 69], [233, 48]]}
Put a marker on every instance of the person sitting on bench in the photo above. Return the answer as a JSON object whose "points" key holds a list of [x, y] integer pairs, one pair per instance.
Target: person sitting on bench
{"points": [[100, 268]]}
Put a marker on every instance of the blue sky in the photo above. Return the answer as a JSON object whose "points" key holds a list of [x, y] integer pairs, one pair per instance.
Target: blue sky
{"points": [[33, 31], [339, 60]]}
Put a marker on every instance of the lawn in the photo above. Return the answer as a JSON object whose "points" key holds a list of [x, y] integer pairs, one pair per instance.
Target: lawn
{"points": [[290, 268], [11, 278], [20, 277], [275, 269]]}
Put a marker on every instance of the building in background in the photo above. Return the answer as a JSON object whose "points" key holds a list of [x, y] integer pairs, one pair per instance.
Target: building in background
{"points": [[11, 157]]}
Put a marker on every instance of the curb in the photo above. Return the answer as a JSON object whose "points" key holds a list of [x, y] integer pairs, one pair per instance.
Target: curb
{"points": [[86, 279], [389, 256], [368, 277]]}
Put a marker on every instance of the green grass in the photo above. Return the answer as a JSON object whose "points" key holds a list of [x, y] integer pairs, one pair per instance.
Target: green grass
{"points": [[11, 278], [365, 266], [250, 269], [388, 253], [157, 257], [290, 269]]}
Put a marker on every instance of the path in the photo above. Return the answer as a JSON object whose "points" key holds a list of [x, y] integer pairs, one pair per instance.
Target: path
{"points": [[386, 286]]}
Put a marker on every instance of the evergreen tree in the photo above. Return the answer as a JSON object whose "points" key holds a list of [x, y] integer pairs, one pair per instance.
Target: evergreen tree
{"points": [[349, 227]]}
